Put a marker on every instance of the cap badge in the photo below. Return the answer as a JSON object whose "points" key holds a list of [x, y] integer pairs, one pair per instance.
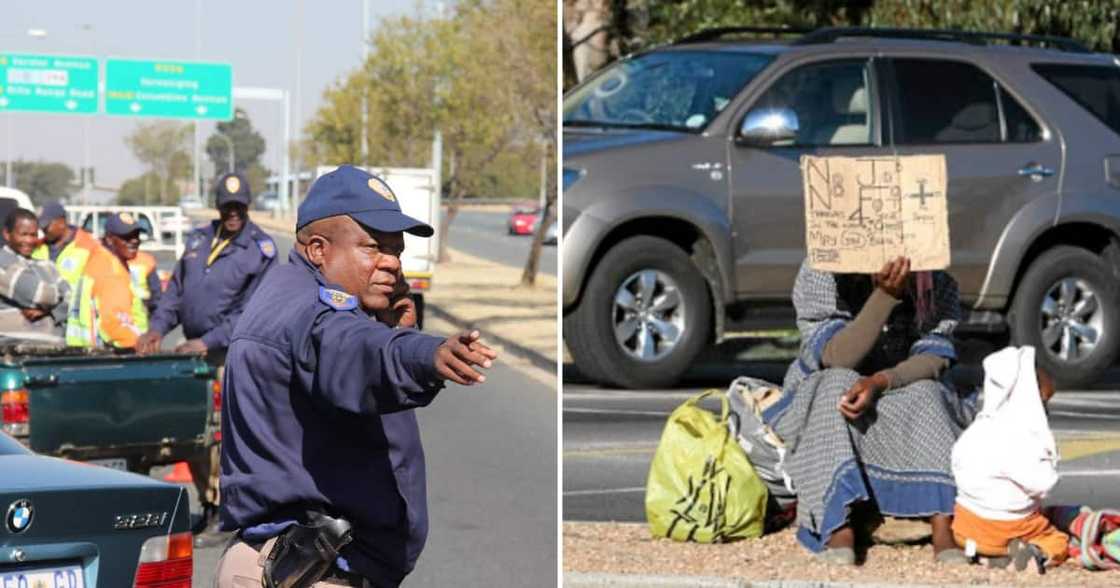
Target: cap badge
{"points": [[381, 189], [127, 219], [233, 184]]}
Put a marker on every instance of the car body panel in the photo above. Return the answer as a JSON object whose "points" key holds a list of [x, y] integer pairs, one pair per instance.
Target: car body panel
{"points": [[148, 410], [75, 510]]}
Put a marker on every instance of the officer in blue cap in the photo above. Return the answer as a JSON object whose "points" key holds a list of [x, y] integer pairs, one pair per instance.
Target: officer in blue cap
{"points": [[221, 268], [324, 370]]}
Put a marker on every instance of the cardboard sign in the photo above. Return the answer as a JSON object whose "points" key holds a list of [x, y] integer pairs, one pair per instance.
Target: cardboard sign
{"points": [[861, 212]]}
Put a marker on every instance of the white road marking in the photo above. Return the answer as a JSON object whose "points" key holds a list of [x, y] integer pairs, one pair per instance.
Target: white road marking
{"points": [[604, 491], [1088, 473], [1084, 415], [608, 411]]}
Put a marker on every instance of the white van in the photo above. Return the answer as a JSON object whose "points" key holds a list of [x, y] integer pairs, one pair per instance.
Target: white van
{"points": [[11, 199]]}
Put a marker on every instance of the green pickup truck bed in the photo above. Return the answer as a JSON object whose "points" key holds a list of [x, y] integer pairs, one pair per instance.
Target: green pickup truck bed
{"points": [[123, 409]]}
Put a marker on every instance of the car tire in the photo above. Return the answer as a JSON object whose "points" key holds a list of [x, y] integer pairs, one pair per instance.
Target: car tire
{"points": [[667, 299], [1052, 305]]}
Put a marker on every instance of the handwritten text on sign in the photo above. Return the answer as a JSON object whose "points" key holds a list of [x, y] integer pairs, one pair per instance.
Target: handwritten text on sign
{"points": [[861, 212]]}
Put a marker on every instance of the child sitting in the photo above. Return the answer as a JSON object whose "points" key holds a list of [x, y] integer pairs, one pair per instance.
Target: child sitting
{"points": [[1004, 465]]}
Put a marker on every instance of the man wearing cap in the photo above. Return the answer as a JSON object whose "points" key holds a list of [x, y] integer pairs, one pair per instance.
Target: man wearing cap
{"points": [[221, 268], [324, 369], [107, 313], [69, 247]]}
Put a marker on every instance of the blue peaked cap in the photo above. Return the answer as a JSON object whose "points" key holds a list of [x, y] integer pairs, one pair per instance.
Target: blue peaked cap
{"points": [[363, 197]]}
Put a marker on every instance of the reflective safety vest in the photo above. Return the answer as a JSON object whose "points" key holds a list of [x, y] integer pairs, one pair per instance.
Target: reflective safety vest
{"points": [[71, 263], [139, 269], [106, 306]]}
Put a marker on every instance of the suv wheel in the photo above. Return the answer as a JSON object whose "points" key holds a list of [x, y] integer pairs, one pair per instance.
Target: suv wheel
{"points": [[1068, 308], [644, 316]]}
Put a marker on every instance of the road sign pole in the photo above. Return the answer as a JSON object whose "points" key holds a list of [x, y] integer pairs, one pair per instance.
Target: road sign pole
{"points": [[286, 171]]}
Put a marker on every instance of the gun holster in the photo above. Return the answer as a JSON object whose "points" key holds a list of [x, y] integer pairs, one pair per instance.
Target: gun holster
{"points": [[303, 553]]}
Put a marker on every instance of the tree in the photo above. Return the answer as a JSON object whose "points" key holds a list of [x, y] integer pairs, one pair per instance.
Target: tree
{"points": [[43, 181], [248, 145], [143, 189], [162, 147]]}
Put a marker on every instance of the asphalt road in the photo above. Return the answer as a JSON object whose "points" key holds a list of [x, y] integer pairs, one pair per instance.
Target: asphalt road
{"points": [[492, 504], [610, 437], [484, 234]]}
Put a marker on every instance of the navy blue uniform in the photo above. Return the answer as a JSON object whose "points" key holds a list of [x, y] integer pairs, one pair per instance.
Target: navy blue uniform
{"points": [[208, 300], [316, 417]]}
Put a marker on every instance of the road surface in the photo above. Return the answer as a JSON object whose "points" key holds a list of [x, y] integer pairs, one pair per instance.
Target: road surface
{"points": [[610, 437]]}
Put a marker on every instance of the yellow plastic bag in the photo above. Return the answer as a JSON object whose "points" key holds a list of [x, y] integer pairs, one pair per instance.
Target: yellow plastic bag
{"points": [[701, 485]]}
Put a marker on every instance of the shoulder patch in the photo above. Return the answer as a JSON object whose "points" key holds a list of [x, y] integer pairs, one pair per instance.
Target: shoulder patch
{"points": [[268, 248], [337, 299]]}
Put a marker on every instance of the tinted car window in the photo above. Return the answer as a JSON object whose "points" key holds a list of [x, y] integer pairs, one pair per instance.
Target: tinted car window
{"points": [[673, 90], [1021, 127], [831, 102], [943, 102], [1094, 87]]}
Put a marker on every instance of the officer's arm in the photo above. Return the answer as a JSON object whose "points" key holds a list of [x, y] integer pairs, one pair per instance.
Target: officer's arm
{"points": [[155, 288], [367, 367], [166, 314], [221, 334], [113, 297]]}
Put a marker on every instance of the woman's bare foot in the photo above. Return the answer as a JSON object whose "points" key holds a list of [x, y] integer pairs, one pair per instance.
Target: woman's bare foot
{"points": [[842, 537]]}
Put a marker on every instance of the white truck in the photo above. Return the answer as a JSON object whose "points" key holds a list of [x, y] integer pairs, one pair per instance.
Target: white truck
{"points": [[417, 190]]}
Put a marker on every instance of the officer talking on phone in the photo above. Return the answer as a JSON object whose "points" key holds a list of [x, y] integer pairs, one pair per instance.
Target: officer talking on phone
{"points": [[322, 469]]}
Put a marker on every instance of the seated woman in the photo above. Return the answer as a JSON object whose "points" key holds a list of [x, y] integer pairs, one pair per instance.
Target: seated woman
{"points": [[863, 414]]}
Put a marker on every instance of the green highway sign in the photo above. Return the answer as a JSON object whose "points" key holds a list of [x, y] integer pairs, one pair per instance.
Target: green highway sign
{"points": [[48, 83], [168, 89]]}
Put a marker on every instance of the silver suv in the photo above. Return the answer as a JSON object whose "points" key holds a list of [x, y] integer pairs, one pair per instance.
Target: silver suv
{"points": [[683, 216]]}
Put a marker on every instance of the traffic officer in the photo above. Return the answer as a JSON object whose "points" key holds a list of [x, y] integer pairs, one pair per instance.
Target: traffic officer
{"points": [[222, 266], [69, 247], [324, 370], [107, 313]]}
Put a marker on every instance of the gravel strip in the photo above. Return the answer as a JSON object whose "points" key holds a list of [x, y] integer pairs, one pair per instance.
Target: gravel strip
{"points": [[626, 548]]}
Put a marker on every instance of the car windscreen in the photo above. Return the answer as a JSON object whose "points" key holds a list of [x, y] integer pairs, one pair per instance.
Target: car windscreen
{"points": [[1095, 87], [669, 90]]}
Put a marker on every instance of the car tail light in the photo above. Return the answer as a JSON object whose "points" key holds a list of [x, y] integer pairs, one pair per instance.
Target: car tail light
{"points": [[419, 283], [166, 561], [16, 412], [216, 392]]}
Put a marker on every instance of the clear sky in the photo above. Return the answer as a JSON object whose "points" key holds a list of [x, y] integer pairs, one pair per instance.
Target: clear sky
{"points": [[260, 38]]}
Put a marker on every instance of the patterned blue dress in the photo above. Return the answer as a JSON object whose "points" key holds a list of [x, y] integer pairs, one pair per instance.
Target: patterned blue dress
{"points": [[897, 454]]}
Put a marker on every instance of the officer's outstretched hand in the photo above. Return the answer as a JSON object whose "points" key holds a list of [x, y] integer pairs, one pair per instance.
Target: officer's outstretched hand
{"points": [[148, 343], [456, 356]]}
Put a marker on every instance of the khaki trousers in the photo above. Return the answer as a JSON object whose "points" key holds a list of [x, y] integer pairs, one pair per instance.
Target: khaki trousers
{"points": [[242, 566]]}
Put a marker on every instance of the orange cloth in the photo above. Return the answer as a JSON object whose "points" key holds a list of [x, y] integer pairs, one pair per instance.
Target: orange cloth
{"points": [[112, 297], [992, 537]]}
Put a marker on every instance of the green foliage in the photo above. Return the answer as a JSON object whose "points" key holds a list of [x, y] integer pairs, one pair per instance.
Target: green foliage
{"points": [[248, 144], [484, 77], [163, 147], [43, 181], [640, 24], [145, 190]]}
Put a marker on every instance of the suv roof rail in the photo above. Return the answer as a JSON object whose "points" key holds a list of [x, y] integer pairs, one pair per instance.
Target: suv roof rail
{"points": [[831, 34], [714, 34]]}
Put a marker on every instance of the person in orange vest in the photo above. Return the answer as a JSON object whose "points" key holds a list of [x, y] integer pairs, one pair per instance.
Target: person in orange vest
{"points": [[109, 313], [145, 285]]}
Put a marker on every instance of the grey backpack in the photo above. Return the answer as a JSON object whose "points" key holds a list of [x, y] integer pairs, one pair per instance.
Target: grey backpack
{"points": [[748, 397]]}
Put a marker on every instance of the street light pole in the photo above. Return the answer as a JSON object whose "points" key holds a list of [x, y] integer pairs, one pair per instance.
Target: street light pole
{"points": [[365, 86], [231, 157]]}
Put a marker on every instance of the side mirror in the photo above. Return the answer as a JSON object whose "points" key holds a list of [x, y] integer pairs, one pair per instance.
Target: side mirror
{"points": [[768, 126]]}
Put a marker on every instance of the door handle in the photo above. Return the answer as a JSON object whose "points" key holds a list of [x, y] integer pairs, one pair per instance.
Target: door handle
{"points": [[1036, 169]]}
